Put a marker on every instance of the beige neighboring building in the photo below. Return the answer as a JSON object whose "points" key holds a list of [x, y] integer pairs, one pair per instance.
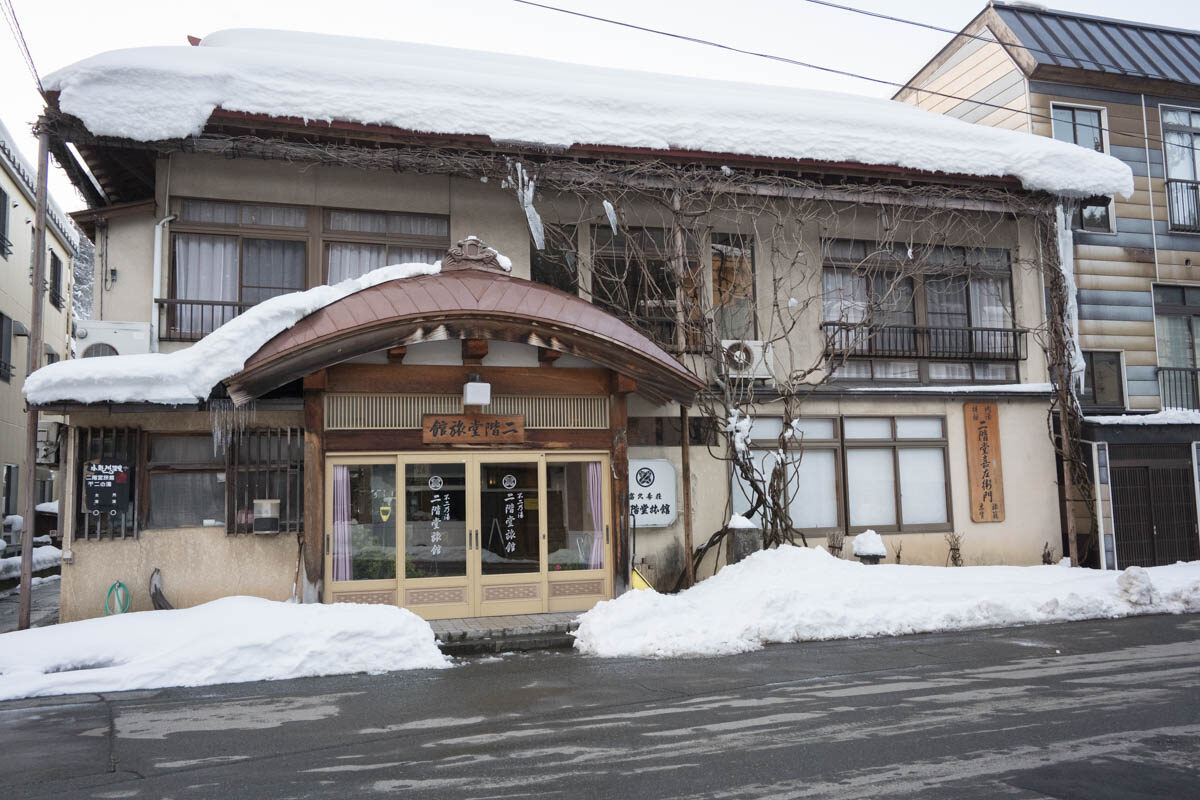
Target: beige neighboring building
{"points": [[1131, 90], [886, 317], [17, 206]]}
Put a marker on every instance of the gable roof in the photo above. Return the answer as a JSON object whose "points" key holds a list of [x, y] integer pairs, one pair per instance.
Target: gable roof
{"points": [[164, 93], [1100, 44]]}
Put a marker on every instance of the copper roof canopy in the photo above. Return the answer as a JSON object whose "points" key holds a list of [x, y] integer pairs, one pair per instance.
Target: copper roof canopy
{"points": [[472, 298]]}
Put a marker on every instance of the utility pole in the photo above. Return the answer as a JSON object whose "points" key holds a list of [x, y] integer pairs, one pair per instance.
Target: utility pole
{"points": [[32, 362]]}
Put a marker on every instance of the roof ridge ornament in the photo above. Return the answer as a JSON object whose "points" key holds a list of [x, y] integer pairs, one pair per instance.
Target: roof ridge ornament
{"points": [[473, 253]]}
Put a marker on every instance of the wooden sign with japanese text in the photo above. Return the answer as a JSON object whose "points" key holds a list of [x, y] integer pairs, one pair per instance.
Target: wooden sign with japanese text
{"points": [[985, 472], [472, 429]]}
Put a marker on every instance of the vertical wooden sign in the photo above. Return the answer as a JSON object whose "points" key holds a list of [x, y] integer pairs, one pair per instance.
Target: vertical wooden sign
{"points": [[985, 471]]}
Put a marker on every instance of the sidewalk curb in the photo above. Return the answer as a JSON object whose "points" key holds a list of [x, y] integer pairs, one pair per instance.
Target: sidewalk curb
{"points": [[520, 643]]}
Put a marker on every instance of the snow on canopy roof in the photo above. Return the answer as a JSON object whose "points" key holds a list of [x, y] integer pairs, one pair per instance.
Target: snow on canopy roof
{"points": [[188, 376], [152, 93]]}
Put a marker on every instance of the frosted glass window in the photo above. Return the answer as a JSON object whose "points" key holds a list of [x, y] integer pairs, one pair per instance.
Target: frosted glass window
{"points": [[918, 428], [870, 487], [813, 491], [897, 370], [766, 428], [208, 211], [814, 428], [275, 216], [357, 221], [764, 462], [995, 372], [869, 428], [949, 372], [922, 486]]}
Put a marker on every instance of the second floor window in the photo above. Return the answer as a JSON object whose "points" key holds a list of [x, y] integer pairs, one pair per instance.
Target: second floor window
{"points": [[55, 280], [260, 253], [1084, 127], [357, 242], [6, 336], [926, 314], [5, 244], [733, 285], [1181, 145]]}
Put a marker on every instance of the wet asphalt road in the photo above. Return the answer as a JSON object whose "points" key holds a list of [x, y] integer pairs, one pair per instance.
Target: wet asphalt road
{"points": [[1090, 710]]}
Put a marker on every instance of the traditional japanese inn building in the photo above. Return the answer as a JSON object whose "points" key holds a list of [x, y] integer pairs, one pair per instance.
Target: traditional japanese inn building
{"points": [[474, 334]]}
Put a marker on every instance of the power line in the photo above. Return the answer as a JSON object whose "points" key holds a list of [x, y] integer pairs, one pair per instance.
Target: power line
{"points": [[10, 16], [798, 63], [977, 37]]}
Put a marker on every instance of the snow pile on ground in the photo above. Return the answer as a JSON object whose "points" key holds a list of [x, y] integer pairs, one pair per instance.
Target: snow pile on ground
{"points": [[43, 558], [188, 376], [869, 543], [152, 93], [1170, 416], [232, 640], [797, 594]]}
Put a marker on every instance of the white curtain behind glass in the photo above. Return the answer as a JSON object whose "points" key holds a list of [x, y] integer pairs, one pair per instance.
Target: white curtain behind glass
{"points": [[990, 309], [351, 260], [206, 268], [870, 484], [922, 485]]}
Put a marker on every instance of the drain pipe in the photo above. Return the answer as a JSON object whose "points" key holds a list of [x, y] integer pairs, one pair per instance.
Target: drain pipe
{"points": [[157, 281]]}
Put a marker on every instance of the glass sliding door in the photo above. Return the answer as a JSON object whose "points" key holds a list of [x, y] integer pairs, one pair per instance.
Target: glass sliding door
{"points": [[578, 531], [438, 526], [511, 538], [360, 530]]}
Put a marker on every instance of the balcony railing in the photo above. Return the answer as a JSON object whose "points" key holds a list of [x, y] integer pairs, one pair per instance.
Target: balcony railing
{"points": [[192, 320], [5, 246], [1183, 199], [1177, 387], [924, 342]]}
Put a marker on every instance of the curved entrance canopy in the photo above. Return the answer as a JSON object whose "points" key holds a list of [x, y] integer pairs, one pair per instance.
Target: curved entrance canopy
{"points": [[467, 300]]}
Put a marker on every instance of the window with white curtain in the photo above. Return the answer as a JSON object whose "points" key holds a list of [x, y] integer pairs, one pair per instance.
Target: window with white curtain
{"points": [[357, 242], [920, 313], [1181, 147], [853, 473], [228, 256]]}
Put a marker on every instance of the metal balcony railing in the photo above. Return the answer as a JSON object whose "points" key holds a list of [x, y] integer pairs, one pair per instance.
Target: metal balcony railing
{"points": [[1183, 200], [5, 246], [1177, 387], [192, 320], [924, 342]]}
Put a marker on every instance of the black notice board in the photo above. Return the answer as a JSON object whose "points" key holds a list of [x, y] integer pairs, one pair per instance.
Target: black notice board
{"points": [[106, 487]]}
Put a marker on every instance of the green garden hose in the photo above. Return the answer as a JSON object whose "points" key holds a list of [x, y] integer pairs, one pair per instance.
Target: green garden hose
{"points": [[124, 599]]}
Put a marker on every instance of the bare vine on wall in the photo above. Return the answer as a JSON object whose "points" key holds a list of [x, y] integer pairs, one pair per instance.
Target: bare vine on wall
{"points": [[699, 255]]}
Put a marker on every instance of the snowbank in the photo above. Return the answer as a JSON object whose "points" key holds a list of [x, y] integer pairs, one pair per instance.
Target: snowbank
{"points": [[43, 558], [798, 594], [151, 93], [188, 376], [232, 640]]}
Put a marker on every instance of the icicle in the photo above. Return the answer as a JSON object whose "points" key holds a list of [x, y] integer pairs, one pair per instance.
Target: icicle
{"points": [[612, 216], [226, 419], [526, 185], [1066, 258]]}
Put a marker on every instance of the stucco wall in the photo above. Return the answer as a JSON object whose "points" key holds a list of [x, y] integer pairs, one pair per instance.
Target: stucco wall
{"points": [[1031, 493], [197, 564]]}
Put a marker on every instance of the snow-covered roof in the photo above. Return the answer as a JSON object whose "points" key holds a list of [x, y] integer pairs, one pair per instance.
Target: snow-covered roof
{"points": [[188, 376], [153, 93], [1170, 416]]}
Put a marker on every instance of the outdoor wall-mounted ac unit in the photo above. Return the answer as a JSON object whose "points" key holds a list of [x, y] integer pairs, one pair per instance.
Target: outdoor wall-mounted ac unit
{"points": [[266, 516], [745, 359], [95, 337], [47, 443]]}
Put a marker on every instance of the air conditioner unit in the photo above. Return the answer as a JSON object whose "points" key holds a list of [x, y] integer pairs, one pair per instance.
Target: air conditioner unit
{"points": [[745, 359], [125, 338]]}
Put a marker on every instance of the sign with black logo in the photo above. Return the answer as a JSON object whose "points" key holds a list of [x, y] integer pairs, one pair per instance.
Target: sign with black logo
{"points": [[652, 492], [106, 487]]}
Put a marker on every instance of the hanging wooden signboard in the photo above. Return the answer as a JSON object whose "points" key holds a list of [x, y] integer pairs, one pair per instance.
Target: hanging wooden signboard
{"points": [[472, 429], [985, 472]]}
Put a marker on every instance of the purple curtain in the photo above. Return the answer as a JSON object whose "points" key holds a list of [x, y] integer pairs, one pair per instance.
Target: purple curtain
{"points": [[341, 523], [595, 489]]}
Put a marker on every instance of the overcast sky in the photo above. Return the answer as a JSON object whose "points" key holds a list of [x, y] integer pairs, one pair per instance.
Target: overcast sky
{"points": [[65, 31]]}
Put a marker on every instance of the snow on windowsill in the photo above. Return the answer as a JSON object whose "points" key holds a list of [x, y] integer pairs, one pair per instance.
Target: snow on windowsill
{"points": [[153, 93], [188, 376]]}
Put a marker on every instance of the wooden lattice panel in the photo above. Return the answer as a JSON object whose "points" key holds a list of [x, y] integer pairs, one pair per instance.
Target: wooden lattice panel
{"points": [[345, 411], [576, 588], [515, 591], [418, 597], [384, 598]]}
